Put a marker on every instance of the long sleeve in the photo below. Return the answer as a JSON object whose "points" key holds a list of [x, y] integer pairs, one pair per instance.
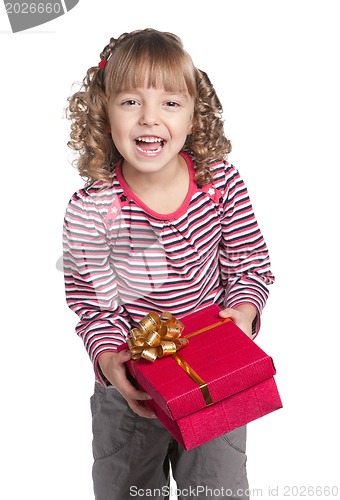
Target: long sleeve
{"points": [[90, 284], [244, 258]]}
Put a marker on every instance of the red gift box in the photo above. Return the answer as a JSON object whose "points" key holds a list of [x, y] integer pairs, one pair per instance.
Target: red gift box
{"points": [[230, 384]]}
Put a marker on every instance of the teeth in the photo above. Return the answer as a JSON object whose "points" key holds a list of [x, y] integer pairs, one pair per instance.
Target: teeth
{"points": [[154, 151], [149, 139]]}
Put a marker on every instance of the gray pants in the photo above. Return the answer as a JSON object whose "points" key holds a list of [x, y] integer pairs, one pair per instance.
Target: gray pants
{"points": [[132, 456]]}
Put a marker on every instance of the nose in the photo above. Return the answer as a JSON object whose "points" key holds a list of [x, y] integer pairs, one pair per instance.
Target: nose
{"points": [[149, 115]]}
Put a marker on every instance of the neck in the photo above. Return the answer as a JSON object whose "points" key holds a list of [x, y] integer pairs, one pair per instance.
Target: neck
{"points": [[161, 179], [163, 191]]}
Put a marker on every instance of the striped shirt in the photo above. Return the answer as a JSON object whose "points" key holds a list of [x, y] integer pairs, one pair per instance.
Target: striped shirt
{"points": [[122, 259]]}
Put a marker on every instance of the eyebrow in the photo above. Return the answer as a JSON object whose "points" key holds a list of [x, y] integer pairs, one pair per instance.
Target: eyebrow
{"points": [[165, 92]]}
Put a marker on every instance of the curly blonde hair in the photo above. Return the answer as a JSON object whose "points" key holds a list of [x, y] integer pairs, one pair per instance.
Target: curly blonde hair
{"points": [[143, 57]]}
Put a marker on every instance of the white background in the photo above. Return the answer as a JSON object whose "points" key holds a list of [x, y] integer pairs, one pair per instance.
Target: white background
{"points": [[275, 66]]}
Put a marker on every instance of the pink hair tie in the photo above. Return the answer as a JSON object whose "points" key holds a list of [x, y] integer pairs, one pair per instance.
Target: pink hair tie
{"points": [[102, 63]]}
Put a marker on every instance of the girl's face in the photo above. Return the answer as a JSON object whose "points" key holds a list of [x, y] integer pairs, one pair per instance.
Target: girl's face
{"points": [[149, 127]]}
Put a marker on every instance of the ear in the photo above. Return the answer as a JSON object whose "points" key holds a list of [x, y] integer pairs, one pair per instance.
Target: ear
{"points": [[107, 125], [107, 120], [192, 122], [190, 127]]}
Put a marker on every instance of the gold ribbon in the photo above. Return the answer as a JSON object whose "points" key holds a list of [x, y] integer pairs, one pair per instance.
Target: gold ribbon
{"points": [[156, 337], [191, 372], [159, 336], [209, 327], [196, 378]]}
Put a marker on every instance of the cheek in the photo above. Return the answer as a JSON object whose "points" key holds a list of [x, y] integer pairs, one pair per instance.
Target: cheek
{"points": [[116, 129], [116, 136]]}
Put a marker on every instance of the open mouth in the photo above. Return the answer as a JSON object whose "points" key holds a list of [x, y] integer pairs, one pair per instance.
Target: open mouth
{"points": [[149, 145]]}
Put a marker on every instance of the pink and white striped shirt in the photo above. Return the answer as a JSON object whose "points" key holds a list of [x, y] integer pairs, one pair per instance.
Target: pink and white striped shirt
{"points": [[122, 259]]}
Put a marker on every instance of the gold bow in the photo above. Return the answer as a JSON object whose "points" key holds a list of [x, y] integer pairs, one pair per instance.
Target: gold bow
{"points": [[157, 336]]}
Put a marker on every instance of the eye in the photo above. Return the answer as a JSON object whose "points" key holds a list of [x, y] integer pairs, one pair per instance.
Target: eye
{"points": [[172, 104], [130, 102]]}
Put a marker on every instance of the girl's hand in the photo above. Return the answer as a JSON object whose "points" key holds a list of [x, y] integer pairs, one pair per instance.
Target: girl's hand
{"points": [[113, 367], [243, 316]]}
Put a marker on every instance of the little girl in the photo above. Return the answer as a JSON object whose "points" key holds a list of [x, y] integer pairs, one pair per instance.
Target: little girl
{"points": [[163, 223]]}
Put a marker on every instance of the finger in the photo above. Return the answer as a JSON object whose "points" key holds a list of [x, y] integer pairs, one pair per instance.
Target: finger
{"points": [[136, 395], [228, 313], [124, 355], [129, 391], [141, 410]]}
